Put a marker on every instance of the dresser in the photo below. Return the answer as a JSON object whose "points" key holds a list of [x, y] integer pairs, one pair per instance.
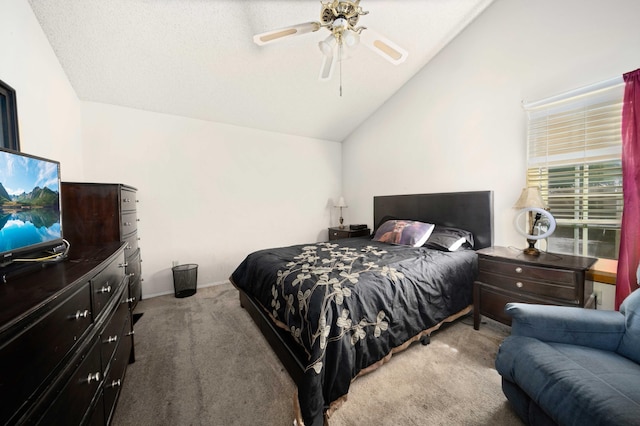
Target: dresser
{"points": [[94, 213], [508, 275], [337, 233], [66, 339]]}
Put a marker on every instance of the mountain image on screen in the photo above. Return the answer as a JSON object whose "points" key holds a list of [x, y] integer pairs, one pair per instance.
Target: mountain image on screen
{"points": [[37, 197]]}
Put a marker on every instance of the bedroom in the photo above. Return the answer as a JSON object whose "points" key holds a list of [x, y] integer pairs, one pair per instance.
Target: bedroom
{"points": [[514, 50]]}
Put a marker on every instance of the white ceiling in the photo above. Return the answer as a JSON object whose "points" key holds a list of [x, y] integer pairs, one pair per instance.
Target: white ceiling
{"points": [[196, 58]]}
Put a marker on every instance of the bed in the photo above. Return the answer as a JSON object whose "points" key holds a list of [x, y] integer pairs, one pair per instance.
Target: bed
{"points": [[335, 310]]}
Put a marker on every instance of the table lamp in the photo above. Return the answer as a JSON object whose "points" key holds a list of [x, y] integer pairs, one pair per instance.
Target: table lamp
{"points": [[341, 205]]}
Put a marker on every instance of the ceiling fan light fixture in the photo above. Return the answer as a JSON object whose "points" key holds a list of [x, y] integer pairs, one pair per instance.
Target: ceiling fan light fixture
{"points": [[327, 45], [351, 38]]}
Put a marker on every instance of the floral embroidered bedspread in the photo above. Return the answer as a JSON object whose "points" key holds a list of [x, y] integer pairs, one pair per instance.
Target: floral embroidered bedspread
{"points": [[349, 302]]}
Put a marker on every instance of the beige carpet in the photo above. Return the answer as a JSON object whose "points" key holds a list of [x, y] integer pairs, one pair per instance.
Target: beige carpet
{"points": [[202, 361]]}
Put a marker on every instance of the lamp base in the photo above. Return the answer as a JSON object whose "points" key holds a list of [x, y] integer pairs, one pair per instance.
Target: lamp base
{"points": [[531, 250], [341, 221]]}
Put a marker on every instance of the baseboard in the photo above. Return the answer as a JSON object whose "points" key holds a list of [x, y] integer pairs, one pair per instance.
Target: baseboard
{"points": [[164, 293]]}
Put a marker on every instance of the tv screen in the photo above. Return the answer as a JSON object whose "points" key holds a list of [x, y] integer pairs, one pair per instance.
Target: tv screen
{"points": [[30, 217]]}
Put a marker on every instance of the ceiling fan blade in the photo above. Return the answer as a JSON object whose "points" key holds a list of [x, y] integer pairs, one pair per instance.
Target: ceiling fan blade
{"points": [[279, 34], [383, 46], [326, 70]]}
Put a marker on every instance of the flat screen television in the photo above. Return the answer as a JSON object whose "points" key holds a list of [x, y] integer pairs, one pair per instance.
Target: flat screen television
{"points": [[30, 216]]}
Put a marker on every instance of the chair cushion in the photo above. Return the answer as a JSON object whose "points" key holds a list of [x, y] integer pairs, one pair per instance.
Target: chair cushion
{"points": [[563, 324], [573, 384], [630, 343]]}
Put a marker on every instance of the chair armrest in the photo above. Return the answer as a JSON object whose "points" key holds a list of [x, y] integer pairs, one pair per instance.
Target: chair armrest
{"points": [[564, 324]]}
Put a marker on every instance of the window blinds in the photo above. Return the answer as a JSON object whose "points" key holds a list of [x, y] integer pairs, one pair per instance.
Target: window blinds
{"points": [[574, 155]]}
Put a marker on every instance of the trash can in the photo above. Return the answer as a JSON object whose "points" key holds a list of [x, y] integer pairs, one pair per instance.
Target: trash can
{"points": [[185, 279]]}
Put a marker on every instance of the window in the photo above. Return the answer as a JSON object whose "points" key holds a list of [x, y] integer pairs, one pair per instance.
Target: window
{"points": [[8, 118], [574, 151]]}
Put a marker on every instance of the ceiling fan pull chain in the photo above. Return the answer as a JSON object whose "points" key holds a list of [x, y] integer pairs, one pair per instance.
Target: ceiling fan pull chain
{"points": [[340, 59]]}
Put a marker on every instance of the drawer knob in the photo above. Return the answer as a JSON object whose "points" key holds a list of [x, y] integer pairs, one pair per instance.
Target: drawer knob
{"points": [[93, 377], [82, 314], [116, 383], [123, 265], [130, 300], [111, 339], [519, 270], [105, 289], [519, 284], [133, 274], [126, 200], [127, 224], [131, 333]]}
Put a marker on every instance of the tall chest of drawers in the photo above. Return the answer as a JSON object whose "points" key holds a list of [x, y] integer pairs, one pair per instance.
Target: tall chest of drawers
{"points": [[65, 339], [508, 275], [94, 213]]}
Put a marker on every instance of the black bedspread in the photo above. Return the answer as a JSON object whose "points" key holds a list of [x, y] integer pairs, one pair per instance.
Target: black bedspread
{"points": [[348, 303]]}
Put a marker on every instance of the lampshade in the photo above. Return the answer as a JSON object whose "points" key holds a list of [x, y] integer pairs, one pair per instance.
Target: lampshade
{"points": [[351, 38], [341, 202], [327, 45], [530, 197]]}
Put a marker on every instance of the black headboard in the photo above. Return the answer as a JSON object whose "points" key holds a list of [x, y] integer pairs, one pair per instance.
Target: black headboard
{"points": [[472, 211]]}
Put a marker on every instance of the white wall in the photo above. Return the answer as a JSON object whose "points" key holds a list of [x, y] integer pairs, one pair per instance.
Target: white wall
{"points": [[49, 112], [211, 193], [458, 125]]}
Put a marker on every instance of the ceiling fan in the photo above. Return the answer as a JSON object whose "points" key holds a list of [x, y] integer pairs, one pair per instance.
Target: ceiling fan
{"points": [[341, 18]]}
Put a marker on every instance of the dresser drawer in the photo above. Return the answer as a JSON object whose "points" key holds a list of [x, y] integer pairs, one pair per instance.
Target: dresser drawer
{"points": [[132, 244], [73, 402], [134, 271], [41, 346], [114, 330], [116, 371], [129, 223], [96, 417], [127, 199], [106, 282], [563, 293], [492, 301], [524, 271]]}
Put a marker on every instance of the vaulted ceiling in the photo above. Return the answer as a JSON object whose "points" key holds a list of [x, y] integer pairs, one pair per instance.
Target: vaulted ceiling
{"points": [[196, 58]]}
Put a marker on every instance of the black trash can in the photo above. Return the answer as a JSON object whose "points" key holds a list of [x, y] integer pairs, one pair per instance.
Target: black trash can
{"points": [[185, 279]]}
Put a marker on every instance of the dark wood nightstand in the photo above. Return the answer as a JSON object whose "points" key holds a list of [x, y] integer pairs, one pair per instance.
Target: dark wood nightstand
{"points": [[508, 275], [337, 233]]}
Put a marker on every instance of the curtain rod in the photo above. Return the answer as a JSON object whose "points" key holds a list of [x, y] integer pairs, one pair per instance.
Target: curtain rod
{"points": [[606, 84]]}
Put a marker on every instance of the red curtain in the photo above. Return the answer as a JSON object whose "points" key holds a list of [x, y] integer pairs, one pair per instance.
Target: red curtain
{"points": [[629, 258]]}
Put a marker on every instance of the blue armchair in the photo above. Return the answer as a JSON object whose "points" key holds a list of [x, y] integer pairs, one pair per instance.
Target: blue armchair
{"points": [[573, 366]]}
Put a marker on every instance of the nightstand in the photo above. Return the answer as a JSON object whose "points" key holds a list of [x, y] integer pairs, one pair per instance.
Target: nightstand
{"points": [[508, 275], [338, 233]]}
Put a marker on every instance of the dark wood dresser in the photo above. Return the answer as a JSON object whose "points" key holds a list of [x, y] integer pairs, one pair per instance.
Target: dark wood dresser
{"points": [[66, 338], [337, 233], [93, 213], [508, 275]]}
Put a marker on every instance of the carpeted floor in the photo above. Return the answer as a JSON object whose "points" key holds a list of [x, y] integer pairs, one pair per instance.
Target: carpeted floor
{"points": [[202, 361]]}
